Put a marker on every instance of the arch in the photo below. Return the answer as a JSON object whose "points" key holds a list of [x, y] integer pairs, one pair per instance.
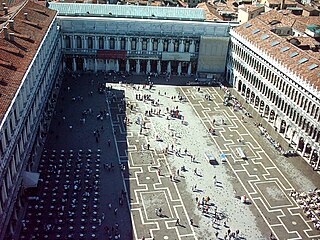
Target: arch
{"points": [[239, 85], [300, 146], [261, 106], [272, 115], [310, 132], [283, 126]]}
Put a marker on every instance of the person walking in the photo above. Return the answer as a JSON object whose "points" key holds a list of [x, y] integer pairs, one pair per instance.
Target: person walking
{"points": [[191, 221], [177, 222]]}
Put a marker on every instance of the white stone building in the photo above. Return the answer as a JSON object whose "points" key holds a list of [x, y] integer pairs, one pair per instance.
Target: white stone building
{"points": [[29, 66], [277, 71], [139, 39]]}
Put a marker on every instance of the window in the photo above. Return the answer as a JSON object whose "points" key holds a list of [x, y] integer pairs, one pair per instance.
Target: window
{"points": [[144, 44], [111, 43], [101, 43], [122, 44], [1, 149], [165, 45], [293, 54], [176, 46], [187, 46], [79, 42], [155, 45], [302, 60], [133, 44], [312, 66], [255, 31], [274, 43], [197, 44], [68, 42], [284, 49], [90, 42]]}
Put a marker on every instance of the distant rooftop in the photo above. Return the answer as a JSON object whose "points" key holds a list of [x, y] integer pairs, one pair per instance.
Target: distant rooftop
{"points": [[128, 11]]}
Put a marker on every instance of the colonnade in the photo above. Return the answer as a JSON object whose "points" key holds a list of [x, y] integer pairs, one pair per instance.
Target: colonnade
{"points": [[289, 109]]}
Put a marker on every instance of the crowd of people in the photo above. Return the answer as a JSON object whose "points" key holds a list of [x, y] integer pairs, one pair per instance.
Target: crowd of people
{"points": [[310, 203]]}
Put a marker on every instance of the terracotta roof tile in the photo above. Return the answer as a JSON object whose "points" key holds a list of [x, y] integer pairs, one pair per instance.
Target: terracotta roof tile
{"points": [[273, 44], [16, 56]]}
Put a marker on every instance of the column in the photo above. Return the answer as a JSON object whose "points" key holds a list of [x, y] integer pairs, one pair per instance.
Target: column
{"points": [[74, 64], [63, 43], [160, 45], [85, 40], [181, 46], [169, 67], [64, 64], [84, 64], [304, 148], [139, 45], [189, 68], [171, 46], [179, 68], [127, 65], [107, 67], [291, 138], [148, 66], [159, 67], [192, 47], [117, 65], [138, 66], [108, 43], [95, 42], [95, 65], [117, 47], [318, 163], [74, 42], [128, 45], [82, 41], [311, 153], [149, 45]]}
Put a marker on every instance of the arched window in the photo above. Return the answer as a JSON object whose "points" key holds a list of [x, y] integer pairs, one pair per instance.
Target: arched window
{"points": [[68, 42], [90, 42], [79, 42], [101, 43]]}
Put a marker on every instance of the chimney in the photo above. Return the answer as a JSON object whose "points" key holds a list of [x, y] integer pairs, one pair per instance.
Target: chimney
{"points": [[11, 35], [283, 4], [6, 34], [26, 16], [5, 10], [11, 24]]}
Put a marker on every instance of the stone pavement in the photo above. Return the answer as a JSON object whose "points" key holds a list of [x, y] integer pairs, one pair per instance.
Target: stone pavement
{"points": [[146, 175]]}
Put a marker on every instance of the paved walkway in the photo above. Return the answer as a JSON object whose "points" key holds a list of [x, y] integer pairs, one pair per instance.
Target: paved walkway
{"points": [[149, 179]]}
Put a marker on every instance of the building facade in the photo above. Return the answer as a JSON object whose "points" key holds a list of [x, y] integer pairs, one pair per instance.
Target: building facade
{"points": [[29, 65], [160, 42], [279, 79]]}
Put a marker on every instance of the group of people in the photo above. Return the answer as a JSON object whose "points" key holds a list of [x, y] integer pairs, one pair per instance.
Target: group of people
{"points": [[310, 203]]}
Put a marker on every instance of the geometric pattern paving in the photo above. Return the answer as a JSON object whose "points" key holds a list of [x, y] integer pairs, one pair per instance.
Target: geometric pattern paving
{"points": [[265, 185], [148, 190]]}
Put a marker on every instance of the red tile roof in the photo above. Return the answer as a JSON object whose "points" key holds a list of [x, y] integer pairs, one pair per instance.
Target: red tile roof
{"points": [[273, 44], [16, 56]]}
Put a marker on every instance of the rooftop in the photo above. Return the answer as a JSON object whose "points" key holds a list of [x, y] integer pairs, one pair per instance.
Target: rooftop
{"points": [[279, 48], [128, 11], [16, 55]]}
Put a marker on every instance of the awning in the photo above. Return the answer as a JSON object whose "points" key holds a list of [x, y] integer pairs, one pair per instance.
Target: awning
{"points": [[30, 179]]}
